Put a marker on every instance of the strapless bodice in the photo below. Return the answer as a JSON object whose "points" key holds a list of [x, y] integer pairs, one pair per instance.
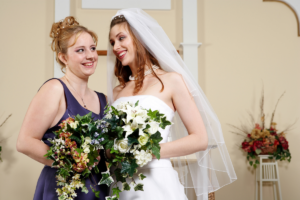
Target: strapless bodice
{"points": [[153, 103]]}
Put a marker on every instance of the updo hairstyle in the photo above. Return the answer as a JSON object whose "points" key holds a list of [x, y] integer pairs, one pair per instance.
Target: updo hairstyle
{"points": [[62, 31]]}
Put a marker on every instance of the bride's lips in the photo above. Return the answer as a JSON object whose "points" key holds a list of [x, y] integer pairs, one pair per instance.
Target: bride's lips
{"points": [[88, 64], [122, 54]]}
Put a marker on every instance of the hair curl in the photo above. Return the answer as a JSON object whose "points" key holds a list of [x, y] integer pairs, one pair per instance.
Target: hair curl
{"points": [[62, 31], [143, 58]]}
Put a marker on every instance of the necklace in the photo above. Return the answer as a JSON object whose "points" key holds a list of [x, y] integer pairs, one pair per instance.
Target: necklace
{"points": [[147, 72], [84, 105]]}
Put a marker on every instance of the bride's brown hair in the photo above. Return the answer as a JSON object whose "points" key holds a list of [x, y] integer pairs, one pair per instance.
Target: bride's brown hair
{"points": [[62, 31], [143, 58]]}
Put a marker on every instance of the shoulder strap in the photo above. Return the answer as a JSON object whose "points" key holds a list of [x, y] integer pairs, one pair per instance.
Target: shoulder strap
{"points": [[66, 90], [103, 102]]}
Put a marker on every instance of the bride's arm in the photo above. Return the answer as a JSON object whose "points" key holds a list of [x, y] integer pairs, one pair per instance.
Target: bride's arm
{"points": [[197, 139], [39, 117]]}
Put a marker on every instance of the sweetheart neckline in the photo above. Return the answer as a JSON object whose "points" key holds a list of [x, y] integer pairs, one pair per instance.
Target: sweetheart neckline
{"points": [[149, 96]]}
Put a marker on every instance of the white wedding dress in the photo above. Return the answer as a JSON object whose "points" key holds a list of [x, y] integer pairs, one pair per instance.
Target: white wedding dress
{"points": [[162, 182]]}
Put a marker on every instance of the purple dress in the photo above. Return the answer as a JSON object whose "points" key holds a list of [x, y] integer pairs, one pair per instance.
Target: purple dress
{"points": [[46, 185]]}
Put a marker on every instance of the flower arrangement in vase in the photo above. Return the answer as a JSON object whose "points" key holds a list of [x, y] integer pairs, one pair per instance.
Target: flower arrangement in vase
{"points": [[262, 140]]}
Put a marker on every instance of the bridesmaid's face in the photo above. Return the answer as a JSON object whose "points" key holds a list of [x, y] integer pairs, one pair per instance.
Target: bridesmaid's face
{"points": [[82, 57], [122, 43]]}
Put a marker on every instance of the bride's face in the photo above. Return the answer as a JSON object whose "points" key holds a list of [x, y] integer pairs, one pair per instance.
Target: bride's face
{"points": [[122, 43], [82, 57]]}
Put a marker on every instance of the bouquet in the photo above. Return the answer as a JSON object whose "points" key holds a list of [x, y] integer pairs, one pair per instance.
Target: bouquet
{"points": [[265, 141], [75, 152], [132, 135]]}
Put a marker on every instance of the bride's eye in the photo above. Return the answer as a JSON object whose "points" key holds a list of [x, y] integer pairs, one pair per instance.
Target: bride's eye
{"points": [[112, 43], [121, 38]]}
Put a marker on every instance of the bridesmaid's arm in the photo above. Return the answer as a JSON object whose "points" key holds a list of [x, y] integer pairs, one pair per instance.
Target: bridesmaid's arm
{"points": [[197, 139], [40, 116]]}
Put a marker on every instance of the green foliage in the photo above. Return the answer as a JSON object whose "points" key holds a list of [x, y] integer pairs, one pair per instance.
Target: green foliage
{"points": [[125, 186], [106, 179], [139, 187], [128, 167], [116, 192], [141, 176]]}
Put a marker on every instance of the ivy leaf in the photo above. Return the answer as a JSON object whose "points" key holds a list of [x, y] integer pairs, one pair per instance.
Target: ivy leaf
{"points": [[156, 138], [141, 176], [164, 122], [132, 140], [129, 168], [109, 144], [156, 150], [152, 114], [116, 192], [256, 162], [120, 131], [97, 193], [111, 198], [251, 163], [257, 151], [119, 175], [84, 189], [106, 179], [125, 186], [139, 187]]}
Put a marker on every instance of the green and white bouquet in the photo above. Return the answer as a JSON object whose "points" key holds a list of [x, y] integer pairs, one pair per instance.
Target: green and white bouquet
{"points": [[132, 135]]}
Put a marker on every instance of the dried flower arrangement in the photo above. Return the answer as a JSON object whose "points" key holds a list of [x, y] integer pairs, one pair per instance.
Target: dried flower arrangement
{"points": [[264, 141]]}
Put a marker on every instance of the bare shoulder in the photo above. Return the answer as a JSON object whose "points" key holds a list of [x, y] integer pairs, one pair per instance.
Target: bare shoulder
{"points": [[117, 90], [173, 78], [54, 86]]}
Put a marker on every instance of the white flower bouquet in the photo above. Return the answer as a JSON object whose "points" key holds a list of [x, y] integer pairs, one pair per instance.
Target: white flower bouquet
{"points": [[132, 135]]}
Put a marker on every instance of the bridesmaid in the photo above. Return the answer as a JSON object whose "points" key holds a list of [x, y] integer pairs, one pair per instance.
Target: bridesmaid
{"points": [[57, 99]]}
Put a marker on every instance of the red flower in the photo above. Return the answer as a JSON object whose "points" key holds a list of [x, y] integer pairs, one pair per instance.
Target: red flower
{"points": [[246, 147], [257, 127], [249, 135], [257, 145], [276, 143], [284, 143]]}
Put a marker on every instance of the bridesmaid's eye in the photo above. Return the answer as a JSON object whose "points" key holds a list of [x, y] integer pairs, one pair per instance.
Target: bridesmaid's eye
{"points": [[93, 48], [80, 50]]}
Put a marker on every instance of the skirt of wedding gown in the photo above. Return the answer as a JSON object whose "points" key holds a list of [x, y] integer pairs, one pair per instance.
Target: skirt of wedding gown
{"points": [[162, 183]]}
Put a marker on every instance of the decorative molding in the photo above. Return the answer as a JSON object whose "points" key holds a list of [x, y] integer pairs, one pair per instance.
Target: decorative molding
{"points": [[294, 5], [62, 10], [190, 35], [121, 4]]}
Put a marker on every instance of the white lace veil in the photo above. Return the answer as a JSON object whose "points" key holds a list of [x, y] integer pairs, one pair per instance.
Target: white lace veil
{"points": [[210, 169]]}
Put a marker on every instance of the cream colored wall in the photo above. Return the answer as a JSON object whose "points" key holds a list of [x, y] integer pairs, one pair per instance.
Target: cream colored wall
{"points": [[245, 43], [248, 44]]}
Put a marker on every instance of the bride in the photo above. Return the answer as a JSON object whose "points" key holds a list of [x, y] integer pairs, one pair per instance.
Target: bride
{"points": [[149, 70]]}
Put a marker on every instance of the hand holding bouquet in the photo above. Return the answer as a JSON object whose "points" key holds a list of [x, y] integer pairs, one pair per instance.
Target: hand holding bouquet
{"points": [[75, 151], [132, 135]]}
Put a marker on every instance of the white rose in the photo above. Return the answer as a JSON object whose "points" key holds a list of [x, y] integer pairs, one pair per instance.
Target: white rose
{"points": [[74, 124], [122, 145], [86, 149], [108, 116], [143, 139], [142, 157], [87, 140], [153, 127]]}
